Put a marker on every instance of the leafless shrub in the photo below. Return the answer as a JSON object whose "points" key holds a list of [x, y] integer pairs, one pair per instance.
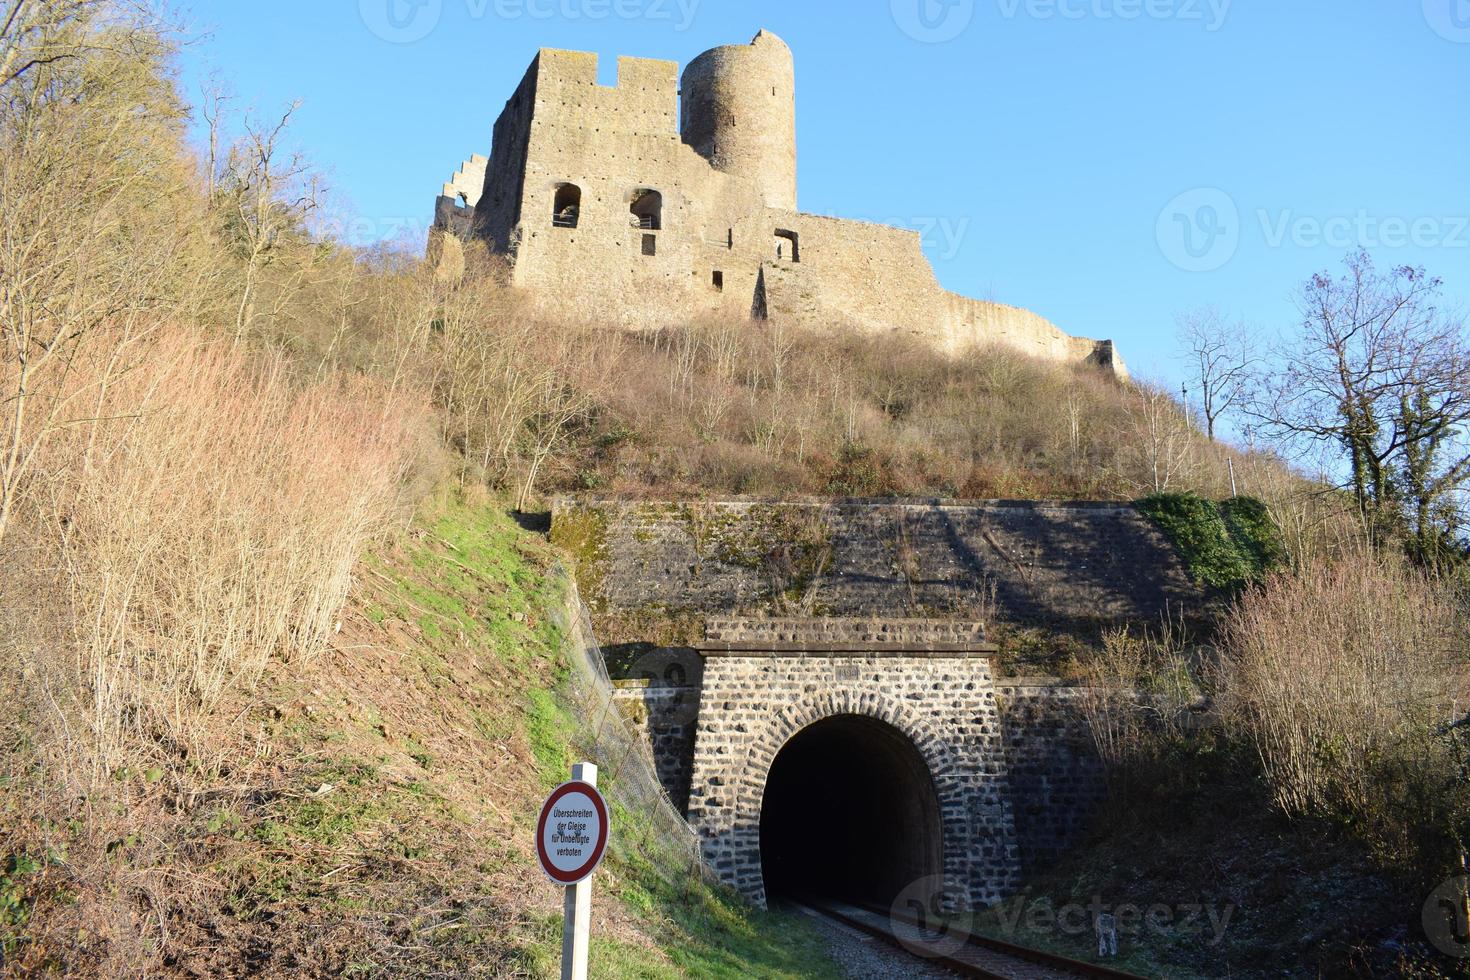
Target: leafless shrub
{"points": [[1141, 692], [211, 525], [1337, 675]]}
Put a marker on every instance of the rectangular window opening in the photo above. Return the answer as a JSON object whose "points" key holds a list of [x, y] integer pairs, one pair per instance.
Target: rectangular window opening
{"points": [[650, 244], [719, 281], [788, 245]]}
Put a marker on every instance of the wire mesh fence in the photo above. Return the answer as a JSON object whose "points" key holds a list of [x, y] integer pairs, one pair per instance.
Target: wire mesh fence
{"points": [[646, 824]]}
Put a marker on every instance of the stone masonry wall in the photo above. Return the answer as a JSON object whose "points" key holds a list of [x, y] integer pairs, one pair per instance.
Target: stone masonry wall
{"points": [[848, 633], [666, 718], [1063, 565], [1054, 776]]}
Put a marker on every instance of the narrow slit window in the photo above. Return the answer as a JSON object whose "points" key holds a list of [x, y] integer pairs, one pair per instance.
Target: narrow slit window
{"points": [[718, 281]]}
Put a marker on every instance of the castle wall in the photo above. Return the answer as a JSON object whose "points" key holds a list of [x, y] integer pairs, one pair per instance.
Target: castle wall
{"points": [[724, 161], [499, 209]]}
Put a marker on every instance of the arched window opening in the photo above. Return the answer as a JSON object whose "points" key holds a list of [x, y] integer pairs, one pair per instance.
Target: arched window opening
{"points": [[567, 207], [647, 209], [788, 245]]}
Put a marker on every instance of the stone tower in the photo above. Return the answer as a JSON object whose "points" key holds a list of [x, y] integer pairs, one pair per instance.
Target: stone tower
{"points": [[738, 111]]}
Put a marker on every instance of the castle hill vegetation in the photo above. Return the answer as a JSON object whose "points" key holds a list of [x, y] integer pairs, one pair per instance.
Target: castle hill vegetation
{"points": [[284, 650]]}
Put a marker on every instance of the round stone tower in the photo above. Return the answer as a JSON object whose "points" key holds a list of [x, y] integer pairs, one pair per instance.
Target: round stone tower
{"points": [[738, 111]]}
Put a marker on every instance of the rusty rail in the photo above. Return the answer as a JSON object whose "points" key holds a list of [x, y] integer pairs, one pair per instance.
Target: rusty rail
{"points": [[1027, 956]]}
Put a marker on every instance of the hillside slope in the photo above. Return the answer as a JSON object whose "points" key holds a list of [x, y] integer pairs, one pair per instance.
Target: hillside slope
{"points": [[376, 816]]}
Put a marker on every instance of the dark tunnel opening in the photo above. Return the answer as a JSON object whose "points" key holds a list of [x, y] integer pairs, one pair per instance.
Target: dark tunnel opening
{"points": [[849, 812]]}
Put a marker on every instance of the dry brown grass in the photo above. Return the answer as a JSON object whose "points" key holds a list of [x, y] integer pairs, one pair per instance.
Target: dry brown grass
{"points": [[1340, 674], [728, 405], [210, 524]]}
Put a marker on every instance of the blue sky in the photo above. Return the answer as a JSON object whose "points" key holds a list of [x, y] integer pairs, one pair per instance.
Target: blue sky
{"points": [[1107, 163]]}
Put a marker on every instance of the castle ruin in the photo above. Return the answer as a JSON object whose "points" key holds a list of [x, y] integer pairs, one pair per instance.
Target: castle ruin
{"points": [[657, 199]]}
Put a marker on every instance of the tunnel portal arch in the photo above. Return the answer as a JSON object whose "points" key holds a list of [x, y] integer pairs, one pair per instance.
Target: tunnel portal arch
{"points": [[849, 810], [925, 684]]}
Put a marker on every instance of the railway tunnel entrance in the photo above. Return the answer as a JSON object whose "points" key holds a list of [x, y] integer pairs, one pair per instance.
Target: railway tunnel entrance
{"points": [[849, 811]]}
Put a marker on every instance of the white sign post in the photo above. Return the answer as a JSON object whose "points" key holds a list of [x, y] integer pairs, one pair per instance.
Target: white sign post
{"points": [[571, 836]]}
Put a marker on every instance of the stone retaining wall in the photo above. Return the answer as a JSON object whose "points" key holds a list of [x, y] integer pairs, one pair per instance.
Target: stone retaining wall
{"points": [[1053, 772], [1061, 565], [751, 706]]}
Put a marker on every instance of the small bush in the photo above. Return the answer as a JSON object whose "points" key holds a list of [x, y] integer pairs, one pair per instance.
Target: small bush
{"points": [[1224, 545]]}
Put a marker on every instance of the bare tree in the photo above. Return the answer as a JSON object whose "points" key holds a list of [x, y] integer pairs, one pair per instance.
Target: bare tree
{"points": [[1219, 359], [269, 199], [87, 170], [1380, 372], [1161, 439]]}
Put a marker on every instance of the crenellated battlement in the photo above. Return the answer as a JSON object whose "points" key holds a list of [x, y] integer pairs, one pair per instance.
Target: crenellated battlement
{"points": [[662, 196]]}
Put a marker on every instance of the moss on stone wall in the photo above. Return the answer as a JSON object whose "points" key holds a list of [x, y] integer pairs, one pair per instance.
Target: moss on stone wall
{"points": [[581, 532], [789, 546], [1224, 545]]}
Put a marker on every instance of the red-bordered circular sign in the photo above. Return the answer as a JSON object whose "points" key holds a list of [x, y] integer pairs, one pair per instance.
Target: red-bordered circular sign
{"points": [[572, 832]]}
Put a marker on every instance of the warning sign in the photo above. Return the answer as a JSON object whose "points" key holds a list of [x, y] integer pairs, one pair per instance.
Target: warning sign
{"points": [[572, 832]]}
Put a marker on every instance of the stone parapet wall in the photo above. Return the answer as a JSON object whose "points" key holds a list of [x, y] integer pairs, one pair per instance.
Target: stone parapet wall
{"points": [[866, 634]]}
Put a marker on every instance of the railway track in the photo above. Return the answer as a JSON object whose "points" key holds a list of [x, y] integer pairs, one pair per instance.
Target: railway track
{"points": [[967, 956]]}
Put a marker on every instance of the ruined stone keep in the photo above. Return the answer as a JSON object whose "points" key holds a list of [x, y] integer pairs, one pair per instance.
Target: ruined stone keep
{"points": [[657, 199]]}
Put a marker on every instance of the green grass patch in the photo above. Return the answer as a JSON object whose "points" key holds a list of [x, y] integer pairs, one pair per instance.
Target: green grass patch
{"points": [[548, 729]]}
